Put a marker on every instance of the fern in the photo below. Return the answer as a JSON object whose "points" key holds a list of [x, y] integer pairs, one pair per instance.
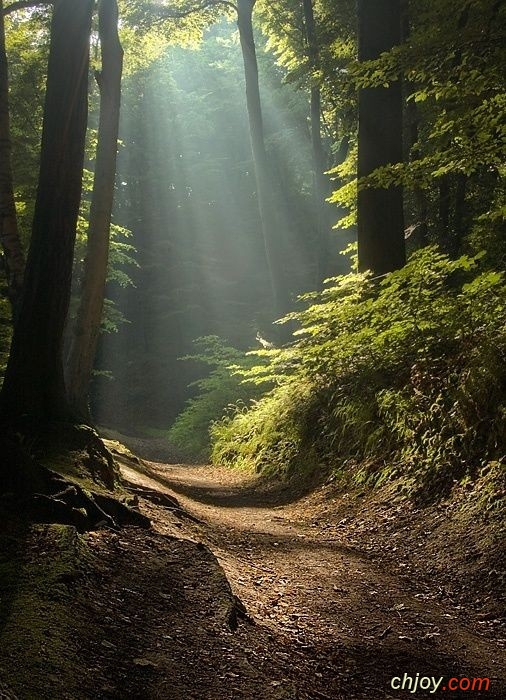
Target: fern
{"points": [[221, 389], [407, 373]]}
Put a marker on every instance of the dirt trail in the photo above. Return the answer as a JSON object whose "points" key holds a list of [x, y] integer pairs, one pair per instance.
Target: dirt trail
{"points": [[342, 616]]}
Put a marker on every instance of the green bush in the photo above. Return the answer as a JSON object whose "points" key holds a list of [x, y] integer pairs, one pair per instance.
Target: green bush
{"points": [[270, 436], [403, 375], [221, 388]]}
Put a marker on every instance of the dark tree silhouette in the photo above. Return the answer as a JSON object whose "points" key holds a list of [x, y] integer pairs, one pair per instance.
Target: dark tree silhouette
{"points": [[380, 220], [34, 383], [87, 326]]}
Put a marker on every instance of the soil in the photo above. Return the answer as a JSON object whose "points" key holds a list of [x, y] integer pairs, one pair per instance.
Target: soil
{"points": [[326, 595]]}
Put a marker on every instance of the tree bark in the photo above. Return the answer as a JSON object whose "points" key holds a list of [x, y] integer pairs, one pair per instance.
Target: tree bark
{"points": [[421, 230], [14, 259], [321, 183], [87, 326], [444, 196], [34, 382], [459, 223], [380, 219], [269, 205]]}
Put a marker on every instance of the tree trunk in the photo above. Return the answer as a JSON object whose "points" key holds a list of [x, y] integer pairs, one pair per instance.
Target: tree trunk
{"points": [[421, 230], [459, 223], [269, 205], [321, 183], [380, 220], [419, 194], [87, 326], [14, 259], [34, 383], [444, 195]]}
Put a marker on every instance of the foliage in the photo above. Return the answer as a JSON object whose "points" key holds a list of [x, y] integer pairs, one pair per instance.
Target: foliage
{"points": [[27, 44], [284, 25], [221, 388], [270, 436], [27, 39], [147, 29], [346, 194], [194, 217], [405, 375], [121, 262], [193, 212], [451, 62]]}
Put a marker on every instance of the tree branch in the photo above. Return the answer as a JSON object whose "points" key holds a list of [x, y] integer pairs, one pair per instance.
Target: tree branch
{"points": [[169, 13], [24, 4]]}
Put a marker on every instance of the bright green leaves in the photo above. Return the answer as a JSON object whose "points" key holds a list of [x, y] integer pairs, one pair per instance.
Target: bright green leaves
{"points": [[452, 66], [147, 29], [406, 371], [284, 25], [378, 73], [121, 257], [27, 44], [217, 391], [346, 195]]}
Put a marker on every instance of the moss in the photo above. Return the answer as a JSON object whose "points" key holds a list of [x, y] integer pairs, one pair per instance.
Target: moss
{"points": [[74, 451], [75, 467], [39, 566]]}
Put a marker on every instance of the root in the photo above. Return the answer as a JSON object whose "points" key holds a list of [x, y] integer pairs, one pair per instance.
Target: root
{"points": [[161, 499], [30, 489]]}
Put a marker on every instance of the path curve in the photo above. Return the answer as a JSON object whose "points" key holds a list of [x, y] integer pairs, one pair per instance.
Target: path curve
{"points": [[304, 583]]}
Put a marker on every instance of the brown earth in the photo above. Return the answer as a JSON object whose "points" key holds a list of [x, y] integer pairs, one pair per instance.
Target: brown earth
{"points": [[342, 593]]}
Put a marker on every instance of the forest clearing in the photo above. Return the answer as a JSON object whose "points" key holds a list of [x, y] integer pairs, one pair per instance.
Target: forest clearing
{"points": [[252, 349]]}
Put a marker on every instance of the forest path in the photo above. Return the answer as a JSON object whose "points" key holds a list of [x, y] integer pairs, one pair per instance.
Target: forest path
{"points": [[343, 615]]}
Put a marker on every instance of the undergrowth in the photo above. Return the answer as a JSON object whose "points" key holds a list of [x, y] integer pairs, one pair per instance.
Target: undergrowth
{"points": [[218, 390], [402, 377]]}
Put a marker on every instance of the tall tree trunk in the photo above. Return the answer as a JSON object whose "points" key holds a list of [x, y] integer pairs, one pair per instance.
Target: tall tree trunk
{"points": [[444, 196], [419, 194], [14, 259], [87, 326], [269, 205], [34, 383], [380, 219], [421, 230], [321, 183], [459, 222]]}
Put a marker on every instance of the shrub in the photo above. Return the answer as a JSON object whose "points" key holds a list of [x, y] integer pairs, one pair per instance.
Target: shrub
{"points": [[217, 391], [406, 374]]}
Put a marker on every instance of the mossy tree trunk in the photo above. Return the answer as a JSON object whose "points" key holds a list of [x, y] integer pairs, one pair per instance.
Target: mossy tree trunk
{"points": [[380, 219], [85, 333], [34, 383]]}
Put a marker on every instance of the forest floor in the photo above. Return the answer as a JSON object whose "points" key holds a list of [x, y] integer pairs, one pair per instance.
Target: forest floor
{"points": [[329, 595]]}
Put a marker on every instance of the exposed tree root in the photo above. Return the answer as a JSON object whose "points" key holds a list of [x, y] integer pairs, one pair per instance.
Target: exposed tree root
{"points": [[160, 499], [45, 496]]}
